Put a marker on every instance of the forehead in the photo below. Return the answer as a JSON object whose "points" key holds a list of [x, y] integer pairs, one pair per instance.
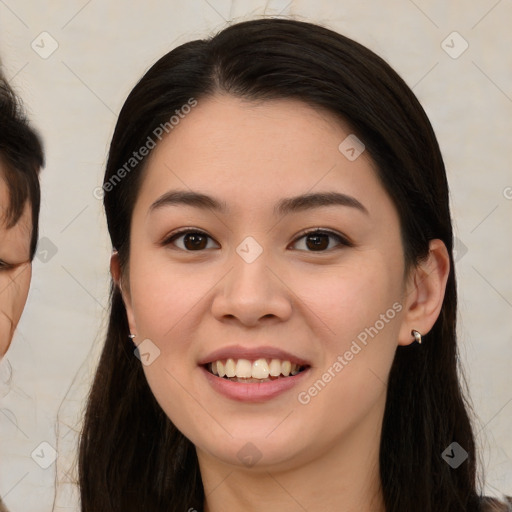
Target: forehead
{"points": [[244, 128], [249, 149]]}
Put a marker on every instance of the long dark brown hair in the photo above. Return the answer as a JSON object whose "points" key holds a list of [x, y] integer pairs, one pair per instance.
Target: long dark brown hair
{"points": [[132, 457]]}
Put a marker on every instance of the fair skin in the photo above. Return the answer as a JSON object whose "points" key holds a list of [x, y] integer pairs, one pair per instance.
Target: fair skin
{"points": [[15, 268], [312, 303]]}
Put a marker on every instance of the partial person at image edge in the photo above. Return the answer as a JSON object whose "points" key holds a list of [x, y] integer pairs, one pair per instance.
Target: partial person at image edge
{"points": [[21, 158]]}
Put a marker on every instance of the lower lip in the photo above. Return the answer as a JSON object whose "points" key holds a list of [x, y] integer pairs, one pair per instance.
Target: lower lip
{"points": [[253, 391]]}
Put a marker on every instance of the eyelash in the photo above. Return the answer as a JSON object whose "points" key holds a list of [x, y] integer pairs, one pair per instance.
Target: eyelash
{"points": [[343, 241], [4, 265]]}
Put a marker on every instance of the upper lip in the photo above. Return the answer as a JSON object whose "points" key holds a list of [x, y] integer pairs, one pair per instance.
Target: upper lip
{"points": [[252, 353]]}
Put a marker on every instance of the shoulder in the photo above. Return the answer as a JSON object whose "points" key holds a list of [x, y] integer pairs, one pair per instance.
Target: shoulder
{"points": [[495, 505]]}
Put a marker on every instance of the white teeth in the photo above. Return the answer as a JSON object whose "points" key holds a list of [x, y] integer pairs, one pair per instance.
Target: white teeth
{"points": [[243, 368], [229, 368], [275, 367], [260, 369]]}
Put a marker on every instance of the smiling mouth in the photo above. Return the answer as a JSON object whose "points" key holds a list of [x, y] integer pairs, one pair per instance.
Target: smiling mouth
{"points": [[257, 371]]}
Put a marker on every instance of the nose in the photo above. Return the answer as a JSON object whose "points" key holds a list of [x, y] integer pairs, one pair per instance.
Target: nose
{"points": [[252, 293]]}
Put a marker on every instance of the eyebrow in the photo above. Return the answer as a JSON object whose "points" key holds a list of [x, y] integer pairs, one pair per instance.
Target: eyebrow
{"points": [[283, 207]]}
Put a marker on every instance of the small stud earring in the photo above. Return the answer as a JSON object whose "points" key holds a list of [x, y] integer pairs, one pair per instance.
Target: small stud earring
{"points": [[131, 336], [417, 336]]}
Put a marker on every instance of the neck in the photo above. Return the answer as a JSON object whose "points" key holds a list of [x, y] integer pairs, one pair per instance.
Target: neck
{"points": [[344, 478]]}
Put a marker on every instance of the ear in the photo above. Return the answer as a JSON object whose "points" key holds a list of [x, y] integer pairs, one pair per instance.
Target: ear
{"points": [[424, 294], [119, 282]]}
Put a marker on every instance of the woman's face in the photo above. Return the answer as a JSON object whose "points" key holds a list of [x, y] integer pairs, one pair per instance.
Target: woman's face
{"points": [[251, 292], [15, 268]]}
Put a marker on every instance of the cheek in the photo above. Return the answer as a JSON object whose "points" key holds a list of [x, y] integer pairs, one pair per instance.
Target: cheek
{"points": [[165, 313], [14, 286], [352, 298], [361, 307], [162, 299], [6, 329]]}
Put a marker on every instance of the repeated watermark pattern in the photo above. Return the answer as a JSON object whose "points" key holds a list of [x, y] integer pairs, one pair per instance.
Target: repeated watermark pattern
{"points": [[351, 147], [453, 45], [454, 455], [304, 397]]}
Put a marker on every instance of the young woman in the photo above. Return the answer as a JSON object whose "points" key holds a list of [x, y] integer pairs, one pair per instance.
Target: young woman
{"points": [[278, 206], [21, 158]]}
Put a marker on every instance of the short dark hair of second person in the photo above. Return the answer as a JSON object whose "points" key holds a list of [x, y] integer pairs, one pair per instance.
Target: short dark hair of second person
{"points": [[21, 158]]}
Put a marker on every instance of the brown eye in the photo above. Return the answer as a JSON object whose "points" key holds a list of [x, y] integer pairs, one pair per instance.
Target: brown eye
{"points": [[194, 241], [317, 241], [190, 240], [320, 241]]}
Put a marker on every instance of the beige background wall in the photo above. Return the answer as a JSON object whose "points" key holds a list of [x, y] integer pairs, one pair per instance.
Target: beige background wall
{"points": [[100, 49]]}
